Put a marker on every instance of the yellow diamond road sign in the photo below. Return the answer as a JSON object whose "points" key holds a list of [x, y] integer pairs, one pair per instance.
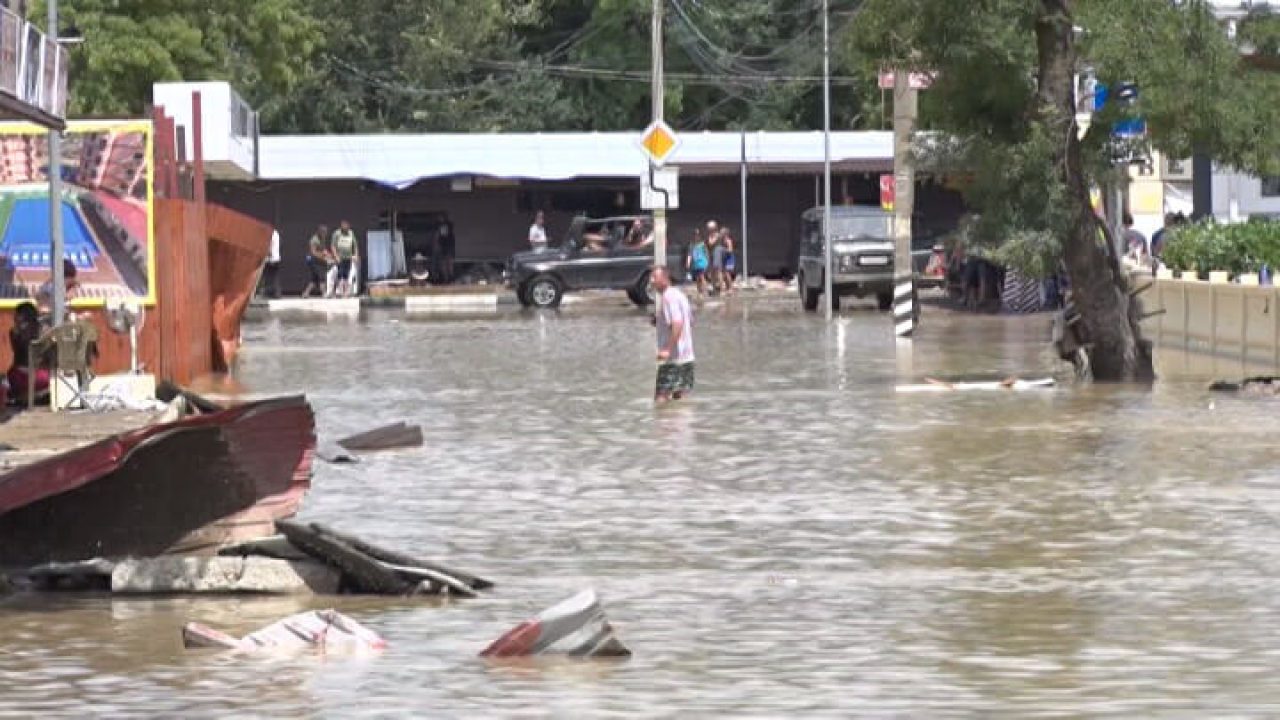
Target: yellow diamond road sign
{"points": [[659, 142]]}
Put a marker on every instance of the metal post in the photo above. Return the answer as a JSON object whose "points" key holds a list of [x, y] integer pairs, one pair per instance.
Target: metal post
{"points": [[826, 156], [905, 108], [1202, 185], [746, 274], [659, 214], [197, 148], [55, 202]]}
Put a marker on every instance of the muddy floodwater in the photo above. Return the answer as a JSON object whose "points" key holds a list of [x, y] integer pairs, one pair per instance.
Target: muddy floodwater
{"points": [[796, 540]]}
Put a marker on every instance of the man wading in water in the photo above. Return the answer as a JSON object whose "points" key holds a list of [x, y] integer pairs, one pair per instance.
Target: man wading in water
{"points": [[674, 321]]}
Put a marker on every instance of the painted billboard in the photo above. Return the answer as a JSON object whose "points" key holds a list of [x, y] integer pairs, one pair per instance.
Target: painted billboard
{"points": [[106, 211]]}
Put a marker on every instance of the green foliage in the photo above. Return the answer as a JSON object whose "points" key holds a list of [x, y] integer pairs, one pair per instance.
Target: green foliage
{"points": [[1032, 253], [472, 65], [1240, 248], [1194, 93], [1261, 31], [260, 45]]}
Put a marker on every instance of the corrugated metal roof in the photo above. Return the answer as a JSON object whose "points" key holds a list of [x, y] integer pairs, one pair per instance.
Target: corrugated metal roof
{"points": [[402, 160]]}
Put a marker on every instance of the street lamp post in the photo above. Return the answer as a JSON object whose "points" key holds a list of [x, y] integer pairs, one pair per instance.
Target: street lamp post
{"points": [[57, 280]]}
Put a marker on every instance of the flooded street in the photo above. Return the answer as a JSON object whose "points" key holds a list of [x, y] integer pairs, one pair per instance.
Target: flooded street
{"points": [[797, 539]]}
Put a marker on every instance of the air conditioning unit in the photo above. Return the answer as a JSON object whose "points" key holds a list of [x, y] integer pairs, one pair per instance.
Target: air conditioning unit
{"points": [[1175, 170]]}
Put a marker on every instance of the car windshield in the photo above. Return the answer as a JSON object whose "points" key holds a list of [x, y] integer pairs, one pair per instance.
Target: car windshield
{"points": [[858, 226]]}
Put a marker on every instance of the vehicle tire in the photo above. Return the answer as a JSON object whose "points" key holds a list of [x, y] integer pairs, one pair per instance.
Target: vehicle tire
{"points": [[639, 293], [885, 300], [545, 291], [522, 294], [808, 298]]}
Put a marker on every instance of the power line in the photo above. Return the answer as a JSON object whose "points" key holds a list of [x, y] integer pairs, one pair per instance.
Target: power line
{"points": [[645, 76]]}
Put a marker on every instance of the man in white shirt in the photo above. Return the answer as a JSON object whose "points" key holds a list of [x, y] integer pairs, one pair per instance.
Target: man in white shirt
{"points": [[674, 321], [538, 232], [271, 269]]}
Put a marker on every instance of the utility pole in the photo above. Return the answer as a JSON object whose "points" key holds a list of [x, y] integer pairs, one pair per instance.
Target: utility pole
{"points": [[905, 110], [826, 159], [746, 272], [55, 198], [659, 214]]}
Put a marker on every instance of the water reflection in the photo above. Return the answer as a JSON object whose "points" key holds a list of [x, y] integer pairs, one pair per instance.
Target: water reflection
{"points": [[795, 539]]}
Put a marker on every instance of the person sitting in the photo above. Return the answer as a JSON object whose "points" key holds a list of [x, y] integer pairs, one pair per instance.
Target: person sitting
{"points": [[640, 235], [26, 330], [595, 241], [44, 296]]}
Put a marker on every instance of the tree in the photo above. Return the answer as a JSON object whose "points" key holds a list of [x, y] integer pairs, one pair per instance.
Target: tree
{"points": [[1004, 109], [259, 45]]}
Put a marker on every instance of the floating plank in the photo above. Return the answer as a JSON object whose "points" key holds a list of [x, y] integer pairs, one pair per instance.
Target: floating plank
{"points": [[361, 573], [1260, 385], [455, 586], [276, 546], [396, 435], [395, 558], [1008, 385]]}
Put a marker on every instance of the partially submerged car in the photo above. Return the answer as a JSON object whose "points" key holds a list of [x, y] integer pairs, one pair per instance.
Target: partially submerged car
{"points": [[614, 253]]}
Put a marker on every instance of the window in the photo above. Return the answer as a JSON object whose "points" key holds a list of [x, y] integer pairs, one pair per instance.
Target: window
{"points": [[1271, 186]]}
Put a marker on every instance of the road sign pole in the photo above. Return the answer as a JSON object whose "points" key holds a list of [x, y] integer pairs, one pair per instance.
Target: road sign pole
{"points": [[905, 107], [660, 214]]}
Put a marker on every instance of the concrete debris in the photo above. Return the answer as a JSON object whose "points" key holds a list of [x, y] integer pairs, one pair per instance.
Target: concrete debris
{"points": [[576, 627], [222, 575], [327, 631], [86, 575]]}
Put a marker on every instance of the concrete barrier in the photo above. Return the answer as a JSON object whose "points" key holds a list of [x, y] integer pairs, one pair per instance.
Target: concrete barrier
{"points": [[342, 306], [221, 575], [452, 302], [1221, 319]]}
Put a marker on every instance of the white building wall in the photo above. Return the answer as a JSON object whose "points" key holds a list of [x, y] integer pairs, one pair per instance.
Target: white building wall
{"points": [[1237, 197], [227, 129]]}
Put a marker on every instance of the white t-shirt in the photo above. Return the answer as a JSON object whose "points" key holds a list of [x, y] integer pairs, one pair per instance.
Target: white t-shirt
{"points": [[672, 307], [537, 235], [274, 255]]}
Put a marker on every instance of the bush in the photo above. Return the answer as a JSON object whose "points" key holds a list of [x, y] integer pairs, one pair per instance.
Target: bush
{"points": [[1206, 246]]}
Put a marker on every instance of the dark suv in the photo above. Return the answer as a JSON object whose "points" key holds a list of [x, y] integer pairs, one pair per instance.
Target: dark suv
{"points": [[595, 254]]}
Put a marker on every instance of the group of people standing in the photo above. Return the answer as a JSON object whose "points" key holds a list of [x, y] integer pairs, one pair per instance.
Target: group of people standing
{"points": [[333, 263], [712, 261]]}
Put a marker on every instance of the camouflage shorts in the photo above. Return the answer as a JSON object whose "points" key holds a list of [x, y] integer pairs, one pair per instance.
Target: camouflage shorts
{"points": [[674, 378]]}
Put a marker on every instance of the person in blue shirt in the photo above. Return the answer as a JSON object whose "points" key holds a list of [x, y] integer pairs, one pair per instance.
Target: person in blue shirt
{"points": [[698, 261]]}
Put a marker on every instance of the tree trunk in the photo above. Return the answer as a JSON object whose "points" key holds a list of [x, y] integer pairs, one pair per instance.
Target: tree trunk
{"points": [[1109, 319]]}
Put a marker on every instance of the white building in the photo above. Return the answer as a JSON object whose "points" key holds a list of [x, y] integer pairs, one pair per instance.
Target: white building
{"points": [[1237, 196]]}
